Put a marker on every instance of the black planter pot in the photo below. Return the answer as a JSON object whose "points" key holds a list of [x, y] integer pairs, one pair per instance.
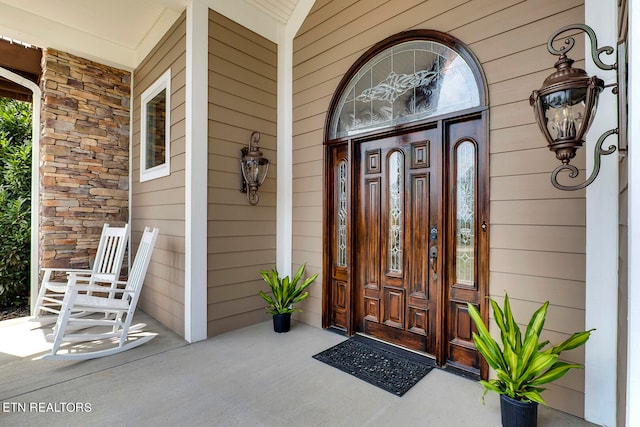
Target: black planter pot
{"points": [[518, 414], [282, 322]]}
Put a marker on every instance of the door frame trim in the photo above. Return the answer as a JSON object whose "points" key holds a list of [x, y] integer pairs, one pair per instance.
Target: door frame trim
{"points": [[483, 179], [351, 147]]}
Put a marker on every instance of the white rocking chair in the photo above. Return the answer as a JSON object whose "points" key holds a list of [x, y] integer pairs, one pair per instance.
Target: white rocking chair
{"points": [[118, 310], [106, 267]]}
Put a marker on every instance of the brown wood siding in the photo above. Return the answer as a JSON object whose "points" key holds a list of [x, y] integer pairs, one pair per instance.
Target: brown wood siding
{"points": [[241, 237], [531, 222], [161, 202]]}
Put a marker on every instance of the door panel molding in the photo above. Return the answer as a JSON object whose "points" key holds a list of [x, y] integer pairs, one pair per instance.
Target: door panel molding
{"points": [[406, 296], [419, 271], [422, 305], [460, 350]]}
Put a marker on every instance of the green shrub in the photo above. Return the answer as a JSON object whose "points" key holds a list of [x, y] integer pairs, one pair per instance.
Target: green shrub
{"points": [[15, 201]]}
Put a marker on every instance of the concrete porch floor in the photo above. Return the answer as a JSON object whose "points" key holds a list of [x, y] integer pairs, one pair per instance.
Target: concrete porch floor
{"points": [[248, 377]]}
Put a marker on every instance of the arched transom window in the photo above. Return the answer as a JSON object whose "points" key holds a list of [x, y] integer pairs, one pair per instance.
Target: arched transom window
{"points": [[410, 81]]}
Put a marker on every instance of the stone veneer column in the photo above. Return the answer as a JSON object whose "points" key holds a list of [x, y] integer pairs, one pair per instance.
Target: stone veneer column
{"points": [[84, 156]]}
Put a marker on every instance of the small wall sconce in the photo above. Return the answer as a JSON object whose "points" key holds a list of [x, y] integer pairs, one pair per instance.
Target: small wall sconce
{"points": [[254, 168], [566, 104]]}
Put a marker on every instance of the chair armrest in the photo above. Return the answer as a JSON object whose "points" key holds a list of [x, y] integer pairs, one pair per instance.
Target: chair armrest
{"points": [[90, 276], [75, 279], [93, 288], [77, 284], [68, 270], [49, 274]]}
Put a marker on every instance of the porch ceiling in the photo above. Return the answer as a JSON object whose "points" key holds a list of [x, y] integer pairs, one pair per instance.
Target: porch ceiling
{"points": [[280, 10], [21, 60], [119, 32]]}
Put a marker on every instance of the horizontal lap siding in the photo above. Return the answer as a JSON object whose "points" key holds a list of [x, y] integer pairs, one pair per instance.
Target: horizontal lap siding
{"points": [[241, 237], [160, 202], [537, 247]]}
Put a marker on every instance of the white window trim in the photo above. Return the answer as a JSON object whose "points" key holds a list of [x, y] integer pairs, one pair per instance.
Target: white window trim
{"points": [[163, 83]]}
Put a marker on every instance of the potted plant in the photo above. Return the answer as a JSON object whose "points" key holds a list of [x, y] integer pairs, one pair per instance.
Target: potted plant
{"points": [[522, 364], [285, 293]]}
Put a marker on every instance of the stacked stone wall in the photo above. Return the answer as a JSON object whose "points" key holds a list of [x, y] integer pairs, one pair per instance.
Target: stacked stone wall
{"points": [[84, 156]]}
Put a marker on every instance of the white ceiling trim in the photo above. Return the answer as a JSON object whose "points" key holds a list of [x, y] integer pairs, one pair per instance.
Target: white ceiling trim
{"points": [[38, 30], [277, 9], [154, 35], [297, 17], [121, 33], [248, 16]]}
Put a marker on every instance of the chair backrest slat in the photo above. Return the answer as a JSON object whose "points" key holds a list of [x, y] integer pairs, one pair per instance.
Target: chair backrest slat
{"points": [[141, 263], [111, 249]]}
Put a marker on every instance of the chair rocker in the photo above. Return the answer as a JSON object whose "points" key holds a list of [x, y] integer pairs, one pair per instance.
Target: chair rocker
{"points": [[118, 307], [106, 267]]}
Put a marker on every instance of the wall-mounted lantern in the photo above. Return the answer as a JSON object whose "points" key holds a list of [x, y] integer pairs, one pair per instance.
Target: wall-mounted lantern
{"points": [[566, 104], [254, 168]]}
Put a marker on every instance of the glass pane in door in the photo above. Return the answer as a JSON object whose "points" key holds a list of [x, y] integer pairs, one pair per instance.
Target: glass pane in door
{"points": [[342, 215], [396, 208], [465, 212]]}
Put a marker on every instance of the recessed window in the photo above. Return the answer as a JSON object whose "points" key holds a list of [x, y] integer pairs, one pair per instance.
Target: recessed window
{"points": [[155, 129]]}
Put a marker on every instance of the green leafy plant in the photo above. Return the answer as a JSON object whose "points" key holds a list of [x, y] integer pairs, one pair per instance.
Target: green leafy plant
{"points": [[285, 291], [15, 201], [522, 364]]}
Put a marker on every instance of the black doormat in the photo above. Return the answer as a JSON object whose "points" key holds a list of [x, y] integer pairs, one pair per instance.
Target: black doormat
{"points": [[385, 366]]}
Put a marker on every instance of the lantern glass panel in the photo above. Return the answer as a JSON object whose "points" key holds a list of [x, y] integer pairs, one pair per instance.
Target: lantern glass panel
{"points": [[253, 170], [263, 165], [565, 113]]}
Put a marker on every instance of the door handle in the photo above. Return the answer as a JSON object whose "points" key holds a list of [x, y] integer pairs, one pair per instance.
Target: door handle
{"points": [[433, 257]]}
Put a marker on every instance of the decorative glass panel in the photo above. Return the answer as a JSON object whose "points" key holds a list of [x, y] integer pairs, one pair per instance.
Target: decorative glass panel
{"points": [[396, 210], [465, 212], [409, 81], [342, 214]]}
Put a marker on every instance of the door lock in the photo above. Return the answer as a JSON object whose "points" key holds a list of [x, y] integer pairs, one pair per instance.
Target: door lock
{"points": [[433, 258], [433, 233]]}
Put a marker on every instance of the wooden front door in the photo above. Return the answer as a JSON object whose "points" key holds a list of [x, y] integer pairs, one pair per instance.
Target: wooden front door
{"points": [[407, 237], [397, 263]]}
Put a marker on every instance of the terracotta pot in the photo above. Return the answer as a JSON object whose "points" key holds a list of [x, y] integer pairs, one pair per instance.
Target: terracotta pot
{"points": [[518, 414], [282, 322]]}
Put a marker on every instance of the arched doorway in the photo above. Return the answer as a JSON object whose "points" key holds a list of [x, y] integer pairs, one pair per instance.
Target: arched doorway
{"points": [[407, 205], [17, 86]]}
